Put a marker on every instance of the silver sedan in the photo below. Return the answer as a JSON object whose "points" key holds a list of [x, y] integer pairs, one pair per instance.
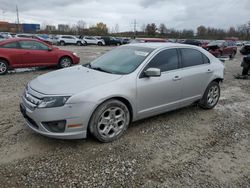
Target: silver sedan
{"points": [[129, 83]]}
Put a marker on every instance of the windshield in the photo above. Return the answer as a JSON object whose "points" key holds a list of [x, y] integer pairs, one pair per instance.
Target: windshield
{"points": [[122, 60], [216, 43]]}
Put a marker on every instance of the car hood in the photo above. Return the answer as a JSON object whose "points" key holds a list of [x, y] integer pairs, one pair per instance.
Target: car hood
{"points": [[70, 81]]}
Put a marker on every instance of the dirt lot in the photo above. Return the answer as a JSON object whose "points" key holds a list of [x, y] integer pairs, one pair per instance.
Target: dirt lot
{"points": [[189, 147]]}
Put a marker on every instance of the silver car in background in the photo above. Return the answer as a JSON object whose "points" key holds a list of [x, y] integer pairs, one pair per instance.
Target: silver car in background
{"points": [[129, 83]]}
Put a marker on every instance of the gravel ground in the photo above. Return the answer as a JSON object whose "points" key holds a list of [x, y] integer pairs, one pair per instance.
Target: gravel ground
{"points": [[189, 147]]}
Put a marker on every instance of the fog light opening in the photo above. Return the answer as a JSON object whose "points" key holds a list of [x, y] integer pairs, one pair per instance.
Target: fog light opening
{"points": [[55, 126]]}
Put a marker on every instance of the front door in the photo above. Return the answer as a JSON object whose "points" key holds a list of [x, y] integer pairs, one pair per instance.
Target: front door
{"points": [[36, 54], [160, 94]]}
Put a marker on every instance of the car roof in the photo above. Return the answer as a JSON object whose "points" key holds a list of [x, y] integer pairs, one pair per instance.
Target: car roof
{"points": [[18, 39], [159, 45]]}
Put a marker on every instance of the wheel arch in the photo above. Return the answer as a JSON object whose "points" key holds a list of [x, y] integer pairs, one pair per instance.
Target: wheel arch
{"points": [[63, 56], [218, 80], [119, 98], [5, 59]]}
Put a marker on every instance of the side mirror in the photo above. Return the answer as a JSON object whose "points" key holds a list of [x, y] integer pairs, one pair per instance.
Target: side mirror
{"points": [[152, 72], [50, 49]]}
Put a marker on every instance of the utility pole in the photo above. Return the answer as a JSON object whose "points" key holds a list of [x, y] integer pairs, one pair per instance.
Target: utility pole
{"points": [[135, 28], [17, 15]]}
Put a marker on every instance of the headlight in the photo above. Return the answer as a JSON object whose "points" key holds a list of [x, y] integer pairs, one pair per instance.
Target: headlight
{"points": [[50, 102], [75, 54]]}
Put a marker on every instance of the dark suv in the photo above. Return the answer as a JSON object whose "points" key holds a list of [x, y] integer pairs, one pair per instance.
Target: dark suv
{"points": [[192, 42], [111, 40], [221, 48], [245, 50]]}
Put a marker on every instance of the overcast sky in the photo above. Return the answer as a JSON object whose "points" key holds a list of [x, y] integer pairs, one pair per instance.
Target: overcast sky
{"points": [[178, 14]]}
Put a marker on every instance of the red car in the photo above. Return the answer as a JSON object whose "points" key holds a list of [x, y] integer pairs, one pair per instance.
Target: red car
{"points": [[24, 52], [221, 48]]}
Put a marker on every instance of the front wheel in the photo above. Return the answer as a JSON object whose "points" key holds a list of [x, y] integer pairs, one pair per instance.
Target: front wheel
{"points": [[65, 62], [3, 67], [79, 43], [232, 55], [211, 96], [109, 121]]}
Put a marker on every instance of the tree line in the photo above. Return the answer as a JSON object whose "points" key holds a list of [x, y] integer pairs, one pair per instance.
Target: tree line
{"points": [[152, 30]]}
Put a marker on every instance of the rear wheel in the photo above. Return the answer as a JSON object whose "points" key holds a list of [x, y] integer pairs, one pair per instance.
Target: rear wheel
{"points": [[62, 43], [65, 62], [233, 55], [3, 67], [99, 44], [109, 121], [79, 43], [211, 96]]}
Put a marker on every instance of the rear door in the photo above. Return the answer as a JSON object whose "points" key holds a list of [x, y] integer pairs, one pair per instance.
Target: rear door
{"points": [[12, 52], [37, 54], [159, 94], [196, 72]]}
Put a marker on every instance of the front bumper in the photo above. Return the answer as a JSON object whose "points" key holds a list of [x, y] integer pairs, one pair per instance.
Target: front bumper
{"points": [[75, 115], [76, 60]]}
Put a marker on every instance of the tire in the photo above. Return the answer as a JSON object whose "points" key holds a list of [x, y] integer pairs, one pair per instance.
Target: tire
{"points": [[62, 43], [99, 44], [208, 101], [79, 43], [65, 62], [109, 121], [232, 55], [4, 67]]}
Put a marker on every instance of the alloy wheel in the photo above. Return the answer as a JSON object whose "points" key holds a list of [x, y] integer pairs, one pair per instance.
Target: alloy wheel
{"points": [[3, 67], [213, 95], [112, 122]]}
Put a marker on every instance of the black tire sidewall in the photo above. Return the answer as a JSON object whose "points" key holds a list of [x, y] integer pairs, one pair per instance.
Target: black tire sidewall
{"points": [[93, 125], [7, 66], [203, 103]]}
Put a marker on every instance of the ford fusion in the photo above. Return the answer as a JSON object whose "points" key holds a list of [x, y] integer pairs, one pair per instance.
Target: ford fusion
{"points": [[129, 83]]}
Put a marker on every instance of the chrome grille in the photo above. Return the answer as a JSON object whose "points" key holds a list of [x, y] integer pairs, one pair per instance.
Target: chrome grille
{"points": [[30, 101]]}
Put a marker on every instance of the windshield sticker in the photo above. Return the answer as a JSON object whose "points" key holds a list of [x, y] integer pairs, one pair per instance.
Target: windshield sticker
{"points": [[141, 53]]}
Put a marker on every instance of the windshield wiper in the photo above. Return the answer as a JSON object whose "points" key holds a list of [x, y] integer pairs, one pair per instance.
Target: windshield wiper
{"points": [[88, 65], [100, 69]]}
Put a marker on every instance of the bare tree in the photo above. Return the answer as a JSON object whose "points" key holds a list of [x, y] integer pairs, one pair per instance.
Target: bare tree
{"points": [[162, 29], [116, 28], [80, 26]]}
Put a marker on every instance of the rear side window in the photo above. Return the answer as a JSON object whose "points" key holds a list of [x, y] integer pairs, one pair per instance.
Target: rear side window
{"points": [[33, 45], [165, 60], [205, 59], [10, 45], [191, 57]]}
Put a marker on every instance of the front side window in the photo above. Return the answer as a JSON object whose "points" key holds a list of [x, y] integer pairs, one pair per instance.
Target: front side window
{"points": [[122, 60], [33, 45], [165, 60], [191, 57], [39, 46]]}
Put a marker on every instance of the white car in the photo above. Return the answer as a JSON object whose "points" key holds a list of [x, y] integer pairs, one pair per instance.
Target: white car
{"points": [[68, 39], [92, 40], [2, 37], [129, 83]]}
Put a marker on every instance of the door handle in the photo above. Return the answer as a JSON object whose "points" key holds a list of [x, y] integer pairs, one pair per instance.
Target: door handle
{"points": [[210, 71], [176, 78]]}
